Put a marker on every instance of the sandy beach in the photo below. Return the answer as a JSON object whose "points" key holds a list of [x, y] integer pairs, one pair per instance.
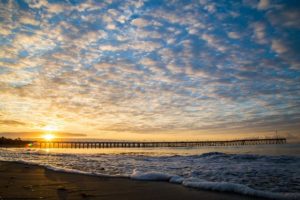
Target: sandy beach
{"points": [[21, 181]]}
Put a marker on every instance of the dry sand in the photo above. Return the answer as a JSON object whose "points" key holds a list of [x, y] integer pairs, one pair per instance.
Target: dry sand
{"points": [[20, 181]]}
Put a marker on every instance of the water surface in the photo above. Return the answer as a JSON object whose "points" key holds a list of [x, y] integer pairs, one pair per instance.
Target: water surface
{"points": [[259, 170]]}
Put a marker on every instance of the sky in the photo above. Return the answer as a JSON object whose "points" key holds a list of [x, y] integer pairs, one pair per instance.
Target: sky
{"points": [[150, 70]]}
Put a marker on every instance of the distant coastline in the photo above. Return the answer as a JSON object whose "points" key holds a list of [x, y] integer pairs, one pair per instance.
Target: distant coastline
{"points": [[8, 142]]}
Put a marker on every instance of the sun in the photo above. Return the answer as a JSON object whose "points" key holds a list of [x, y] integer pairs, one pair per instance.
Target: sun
{"points": [[48, 136], [48, 130]]}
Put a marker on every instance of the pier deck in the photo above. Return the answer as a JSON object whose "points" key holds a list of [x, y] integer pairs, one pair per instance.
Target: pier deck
{"points": [[56, 144]]}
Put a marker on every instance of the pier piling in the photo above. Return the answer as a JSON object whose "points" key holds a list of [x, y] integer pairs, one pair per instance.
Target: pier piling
{"points": [[55, 144]]}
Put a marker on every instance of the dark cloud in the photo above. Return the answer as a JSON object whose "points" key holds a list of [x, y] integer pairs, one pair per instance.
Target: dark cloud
{"points": [[287, 17], [12, 123], [39, 134]]}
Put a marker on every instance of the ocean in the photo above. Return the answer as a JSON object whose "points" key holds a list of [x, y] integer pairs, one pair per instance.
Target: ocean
{"points": [[271, 171]]}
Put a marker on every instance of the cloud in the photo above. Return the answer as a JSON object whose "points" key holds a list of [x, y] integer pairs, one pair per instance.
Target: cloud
{"points": [[147, 61], [263, 4], [210, 8], [32, 43], [50, 7], [37, 3], [233, 35], [29, 20], [5, 31], [279, 47], [286, 17], [111, 26], [66, 134], [12, 123], [259, 29], [213, 42], [136, 67], [140, 22]]}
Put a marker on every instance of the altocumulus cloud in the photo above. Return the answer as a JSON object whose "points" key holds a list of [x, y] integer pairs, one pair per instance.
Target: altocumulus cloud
{"points": [[101, 67]]}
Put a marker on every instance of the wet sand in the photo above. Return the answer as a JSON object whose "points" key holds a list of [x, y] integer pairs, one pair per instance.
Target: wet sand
{"points": [[21, 181]]}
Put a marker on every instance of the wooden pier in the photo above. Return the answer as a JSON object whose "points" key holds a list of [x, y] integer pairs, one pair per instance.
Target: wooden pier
{"points": [[56, 144]]}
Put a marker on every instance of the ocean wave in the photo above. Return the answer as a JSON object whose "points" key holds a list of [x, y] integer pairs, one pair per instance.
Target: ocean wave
{"points": [[150, 176], [238, 188], [212, 154], [208, 185], [187, 182], [274, 177]]}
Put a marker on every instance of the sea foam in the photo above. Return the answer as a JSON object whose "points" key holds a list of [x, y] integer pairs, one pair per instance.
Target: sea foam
{"points": [[214, 186], [273, 177], [150, 176]]}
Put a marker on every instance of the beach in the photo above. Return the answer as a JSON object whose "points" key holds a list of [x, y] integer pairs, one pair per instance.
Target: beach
{"points": [[22, 181]]}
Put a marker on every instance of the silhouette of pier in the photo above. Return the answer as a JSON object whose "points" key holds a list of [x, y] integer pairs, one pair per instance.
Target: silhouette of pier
{"points": [[56, 144]]}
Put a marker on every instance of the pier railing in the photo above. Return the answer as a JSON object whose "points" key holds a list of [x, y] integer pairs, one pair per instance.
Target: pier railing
{"points": [[56, 144]]}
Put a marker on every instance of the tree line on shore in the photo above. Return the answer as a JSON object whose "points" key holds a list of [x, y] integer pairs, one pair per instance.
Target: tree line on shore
{"points": [[10, 142]]}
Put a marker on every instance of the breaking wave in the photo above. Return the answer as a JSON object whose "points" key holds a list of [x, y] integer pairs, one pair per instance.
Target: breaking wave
{"points": [[274, 177]]}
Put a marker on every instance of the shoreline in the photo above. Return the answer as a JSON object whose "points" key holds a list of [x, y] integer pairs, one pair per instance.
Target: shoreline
{"points": [[26, 181]]}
